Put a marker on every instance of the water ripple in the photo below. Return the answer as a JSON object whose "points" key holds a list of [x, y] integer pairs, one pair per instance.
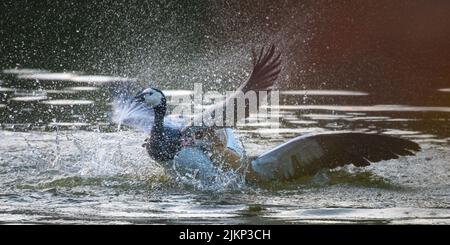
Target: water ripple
{"points": [[68, 102], [324, 92]]}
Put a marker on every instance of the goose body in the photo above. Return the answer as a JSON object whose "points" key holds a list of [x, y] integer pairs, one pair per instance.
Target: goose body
{"points": [[194, 149], [164, 141], [163, 144]]}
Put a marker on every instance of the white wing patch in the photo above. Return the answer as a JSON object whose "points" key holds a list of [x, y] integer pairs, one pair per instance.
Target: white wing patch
{"points": [[277, 162]]}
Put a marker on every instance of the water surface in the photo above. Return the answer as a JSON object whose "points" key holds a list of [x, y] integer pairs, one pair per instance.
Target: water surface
{"points": [[63, 161]]}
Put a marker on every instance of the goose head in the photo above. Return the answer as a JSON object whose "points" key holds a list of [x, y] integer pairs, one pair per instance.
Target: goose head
{"points": [[155, 99], [152, 97]]}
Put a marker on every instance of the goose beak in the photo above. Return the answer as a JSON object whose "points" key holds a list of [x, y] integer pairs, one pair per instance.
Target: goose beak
{"points": [[139, 98]]}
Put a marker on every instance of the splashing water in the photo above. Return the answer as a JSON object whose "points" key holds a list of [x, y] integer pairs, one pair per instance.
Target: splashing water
{"points": [[131, 113], [191, 167], [105, 156], [138, 116]]}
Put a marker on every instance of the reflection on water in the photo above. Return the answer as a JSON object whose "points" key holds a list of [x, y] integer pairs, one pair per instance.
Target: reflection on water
{"points": [[82, 88], [63, 161], [68, 102], [178, 92], [23, 71], [68, 124], [7, 89], [46, 76], [29, 98], [325, 116], [302, 122], [398, 108], [323, 92]]}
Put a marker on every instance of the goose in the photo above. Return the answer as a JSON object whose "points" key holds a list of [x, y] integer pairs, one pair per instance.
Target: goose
{"points": [[191, 147]]}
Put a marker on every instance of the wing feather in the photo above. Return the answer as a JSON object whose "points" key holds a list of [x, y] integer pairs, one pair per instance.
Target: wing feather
{"points": [[266, 68], [306, 155]]}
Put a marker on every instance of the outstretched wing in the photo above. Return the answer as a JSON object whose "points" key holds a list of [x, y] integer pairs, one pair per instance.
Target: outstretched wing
{"points": [[306, 155], [266, 68]]}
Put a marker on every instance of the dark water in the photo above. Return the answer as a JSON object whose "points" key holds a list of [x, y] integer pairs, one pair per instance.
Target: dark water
{"points": [[63, 161]]}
